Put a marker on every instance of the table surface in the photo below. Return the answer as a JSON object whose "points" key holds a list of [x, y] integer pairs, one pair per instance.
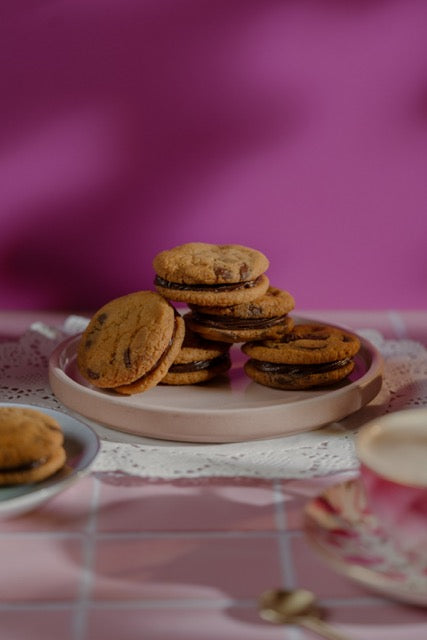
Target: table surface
{"points": [[144, 560]]}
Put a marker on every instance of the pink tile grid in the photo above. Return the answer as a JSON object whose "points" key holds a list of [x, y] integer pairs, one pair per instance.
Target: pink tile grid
{"points": [[212, 506], [50, 622], [183, 560], [40, 568], [165, 561], [66, 515]]}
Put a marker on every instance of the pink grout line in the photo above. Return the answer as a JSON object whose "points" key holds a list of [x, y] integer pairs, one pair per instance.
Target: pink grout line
{"points": [[286, 564], [285, 553], [188, 603], [186, 535], [79, 623], [56, 535], [47, 605]]}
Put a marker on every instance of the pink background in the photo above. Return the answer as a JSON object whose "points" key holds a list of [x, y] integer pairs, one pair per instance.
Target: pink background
{"points": [[297, 127]]}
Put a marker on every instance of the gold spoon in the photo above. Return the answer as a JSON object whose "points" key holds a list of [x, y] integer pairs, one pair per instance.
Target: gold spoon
{"points": [[295, 607]]}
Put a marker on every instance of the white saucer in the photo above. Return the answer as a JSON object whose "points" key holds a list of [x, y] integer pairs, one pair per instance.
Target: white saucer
{"points": [[231, 408], [341, 529], [81, 445]]}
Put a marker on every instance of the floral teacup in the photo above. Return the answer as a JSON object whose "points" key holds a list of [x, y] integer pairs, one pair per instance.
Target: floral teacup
{"points": [[392, 451]]}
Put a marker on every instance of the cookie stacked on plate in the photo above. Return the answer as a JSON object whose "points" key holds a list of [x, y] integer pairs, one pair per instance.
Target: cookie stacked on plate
{"points": [[226, 288], [311, 355], [140, 340], [198, 360], [211, 274]]}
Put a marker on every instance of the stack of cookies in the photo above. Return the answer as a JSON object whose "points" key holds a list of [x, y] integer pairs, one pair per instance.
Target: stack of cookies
{"points": [[225, 286], [138, 341], [198, 360]]}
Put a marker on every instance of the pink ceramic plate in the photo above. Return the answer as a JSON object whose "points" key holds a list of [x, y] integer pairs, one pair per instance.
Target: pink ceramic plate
{"points": [[232, 408], [340, 527]]}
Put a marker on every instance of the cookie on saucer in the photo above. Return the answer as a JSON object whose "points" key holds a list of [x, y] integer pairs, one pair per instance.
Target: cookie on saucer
{"points": [[211, 274], [130, 343], [31, 446], [199, 360], [265, 317], [311, 355]]}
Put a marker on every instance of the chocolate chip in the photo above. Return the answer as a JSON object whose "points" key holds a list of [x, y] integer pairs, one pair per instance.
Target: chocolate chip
{"points": [[313, 336], [254, 310], [126, 358], [244, 271], [93, 375], [223, 273], [101, 318]]}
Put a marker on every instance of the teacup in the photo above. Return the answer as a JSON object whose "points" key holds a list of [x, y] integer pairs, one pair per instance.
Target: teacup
{"points": [[392, 451]]}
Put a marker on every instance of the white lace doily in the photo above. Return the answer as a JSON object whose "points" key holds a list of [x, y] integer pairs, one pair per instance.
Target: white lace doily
{"points": [[24, 378]]}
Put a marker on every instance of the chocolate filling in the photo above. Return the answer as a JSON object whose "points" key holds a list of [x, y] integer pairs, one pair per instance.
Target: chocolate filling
{"points": [[299, 370], [27, 466], [181, 286], [223, 322], [199, 365]]}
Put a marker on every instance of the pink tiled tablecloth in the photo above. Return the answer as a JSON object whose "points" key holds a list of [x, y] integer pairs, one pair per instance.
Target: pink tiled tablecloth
{"points": [[144, 560]]}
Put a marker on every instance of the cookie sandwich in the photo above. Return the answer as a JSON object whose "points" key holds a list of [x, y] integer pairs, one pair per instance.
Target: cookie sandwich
{"points": [[31, 446], [211, 274], [198, 360], [130, 343], [265, 317], [311, 355]]}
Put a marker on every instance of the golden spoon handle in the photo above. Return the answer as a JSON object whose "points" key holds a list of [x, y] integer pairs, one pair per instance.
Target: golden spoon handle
{"points": [[322, 628]]}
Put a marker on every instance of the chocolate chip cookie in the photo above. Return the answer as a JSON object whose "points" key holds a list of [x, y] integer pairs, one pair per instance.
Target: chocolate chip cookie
{"points": [[130, 343], [211, 274], [311, 355], [31, 446], [265, 317]]}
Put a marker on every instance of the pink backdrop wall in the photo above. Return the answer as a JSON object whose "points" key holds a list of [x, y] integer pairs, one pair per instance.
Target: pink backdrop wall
{"points": [[297, 127]]}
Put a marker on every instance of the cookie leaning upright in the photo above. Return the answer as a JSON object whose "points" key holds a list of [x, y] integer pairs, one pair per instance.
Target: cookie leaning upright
{"points": [[265, 317], [211, 274], [311, 355], [31, 446], [130, 343]]}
